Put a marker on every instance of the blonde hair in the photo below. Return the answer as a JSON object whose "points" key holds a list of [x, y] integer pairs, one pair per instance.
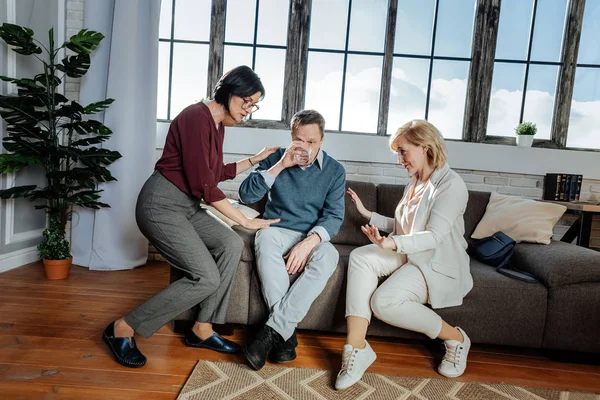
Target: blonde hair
{"points": [[422, 133]]}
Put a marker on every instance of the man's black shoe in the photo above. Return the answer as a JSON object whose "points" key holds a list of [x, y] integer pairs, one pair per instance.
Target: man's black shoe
{"points": [[258, 350], [283, 352]]}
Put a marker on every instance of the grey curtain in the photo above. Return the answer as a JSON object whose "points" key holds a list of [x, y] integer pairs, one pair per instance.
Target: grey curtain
{"points": [[125, 67]]}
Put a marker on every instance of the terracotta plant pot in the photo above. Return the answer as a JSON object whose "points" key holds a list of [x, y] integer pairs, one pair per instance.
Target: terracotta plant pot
{"points": [[57, 269]]}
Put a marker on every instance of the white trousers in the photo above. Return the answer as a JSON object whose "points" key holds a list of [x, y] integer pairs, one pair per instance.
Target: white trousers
{"points": [[399, 301]]}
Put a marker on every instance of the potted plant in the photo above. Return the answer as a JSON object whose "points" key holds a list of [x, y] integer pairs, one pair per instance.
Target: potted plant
{"points": [[55, 251], [44, 128], [525, 132]]}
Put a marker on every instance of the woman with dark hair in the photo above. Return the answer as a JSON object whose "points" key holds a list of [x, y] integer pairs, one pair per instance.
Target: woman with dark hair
{"points": [[168, 213]]}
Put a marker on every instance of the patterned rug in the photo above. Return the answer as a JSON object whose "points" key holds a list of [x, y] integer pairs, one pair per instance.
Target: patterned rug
{"points": [[223, 380]]}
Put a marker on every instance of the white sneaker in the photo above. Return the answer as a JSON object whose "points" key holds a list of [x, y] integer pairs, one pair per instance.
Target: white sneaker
{"points": [[354, 364], [455, 361]]}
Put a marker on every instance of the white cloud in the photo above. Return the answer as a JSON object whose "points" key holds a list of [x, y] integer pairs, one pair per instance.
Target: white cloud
{"points": [[584, 124]]}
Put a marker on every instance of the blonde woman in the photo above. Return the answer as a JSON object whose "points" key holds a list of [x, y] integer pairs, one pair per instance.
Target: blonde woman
{"points": [[424, 258]]}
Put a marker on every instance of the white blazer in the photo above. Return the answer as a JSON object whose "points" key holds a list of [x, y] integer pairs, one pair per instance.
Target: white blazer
{"points": [[436, 244]]}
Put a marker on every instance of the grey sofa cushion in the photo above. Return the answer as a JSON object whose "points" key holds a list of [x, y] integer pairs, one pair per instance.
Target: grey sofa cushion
{"points": [[558, 263], [350, 232]]}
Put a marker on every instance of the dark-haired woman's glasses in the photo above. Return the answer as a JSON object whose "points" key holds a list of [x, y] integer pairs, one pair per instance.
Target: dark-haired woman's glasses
{"points": [[249, 105]]}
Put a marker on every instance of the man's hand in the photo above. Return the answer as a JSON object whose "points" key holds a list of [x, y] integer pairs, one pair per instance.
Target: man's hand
{"points": [[295, 154], [298, 256], [384, 242]]}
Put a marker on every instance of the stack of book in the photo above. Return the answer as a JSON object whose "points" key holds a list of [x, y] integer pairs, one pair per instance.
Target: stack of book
{"points": [[562, 187]]}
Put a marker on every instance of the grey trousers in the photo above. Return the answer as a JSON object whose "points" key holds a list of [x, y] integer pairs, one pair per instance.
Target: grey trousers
{"points": [[206, 250], [289, 305]]}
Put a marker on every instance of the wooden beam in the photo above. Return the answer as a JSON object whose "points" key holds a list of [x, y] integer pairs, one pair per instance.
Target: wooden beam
{"points": [[296, 58], [566, 74], [217, 47], [479, 88], [388, 64]]}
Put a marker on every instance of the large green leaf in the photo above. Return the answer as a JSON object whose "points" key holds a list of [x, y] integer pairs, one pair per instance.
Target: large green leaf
{"points": [[47, 80], [20, 110], [25, 147], [14, 162], [90, 203], [19, 37], [16, 192], [72, 110], [33, 132], [89, 141], [88, 127], [75, 66], [94, 156], [84, 42], [29, 84], [93, 108], [83, 177]]}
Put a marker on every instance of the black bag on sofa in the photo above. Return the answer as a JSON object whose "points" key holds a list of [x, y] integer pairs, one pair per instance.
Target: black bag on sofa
{"points": [[496, 251]]}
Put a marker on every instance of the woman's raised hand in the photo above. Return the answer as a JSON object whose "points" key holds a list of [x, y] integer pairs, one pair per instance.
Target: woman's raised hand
{"points": [[358, 203], [257, 223], [384, 242]]}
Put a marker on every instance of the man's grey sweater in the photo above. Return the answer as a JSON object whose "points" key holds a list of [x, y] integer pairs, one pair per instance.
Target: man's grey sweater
{"points": [[310, 199]]}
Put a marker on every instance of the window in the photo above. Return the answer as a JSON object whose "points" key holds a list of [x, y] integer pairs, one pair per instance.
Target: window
{"points": [[368, 74], [450, 62], [346, 55], [526, 65], [184, 38], [256, 36], [345, 59], [584, 121]]}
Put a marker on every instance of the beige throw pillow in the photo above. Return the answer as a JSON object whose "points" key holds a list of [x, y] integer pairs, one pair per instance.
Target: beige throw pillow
{"points": [[521, 219], [247, 211]]}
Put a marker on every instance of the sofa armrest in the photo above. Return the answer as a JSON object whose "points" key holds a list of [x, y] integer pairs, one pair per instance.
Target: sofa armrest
{"points": [[558, 263]]}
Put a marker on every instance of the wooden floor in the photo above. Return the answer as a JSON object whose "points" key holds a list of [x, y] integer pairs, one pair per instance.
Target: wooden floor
{"points": [[51, 346]]}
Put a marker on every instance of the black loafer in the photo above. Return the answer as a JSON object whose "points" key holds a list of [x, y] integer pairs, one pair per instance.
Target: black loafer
{"points": [[124, 349], [216, 342]]}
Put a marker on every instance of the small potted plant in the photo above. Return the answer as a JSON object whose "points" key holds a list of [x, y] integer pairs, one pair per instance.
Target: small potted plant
{"points": [[525, 132], [55, 251]]}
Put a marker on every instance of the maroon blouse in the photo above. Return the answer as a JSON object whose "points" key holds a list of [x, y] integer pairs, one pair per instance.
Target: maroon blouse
{"points": [[193, 155]]}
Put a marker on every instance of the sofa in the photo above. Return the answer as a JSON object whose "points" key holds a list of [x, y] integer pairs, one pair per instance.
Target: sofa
{"points": [[560, 312]]}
